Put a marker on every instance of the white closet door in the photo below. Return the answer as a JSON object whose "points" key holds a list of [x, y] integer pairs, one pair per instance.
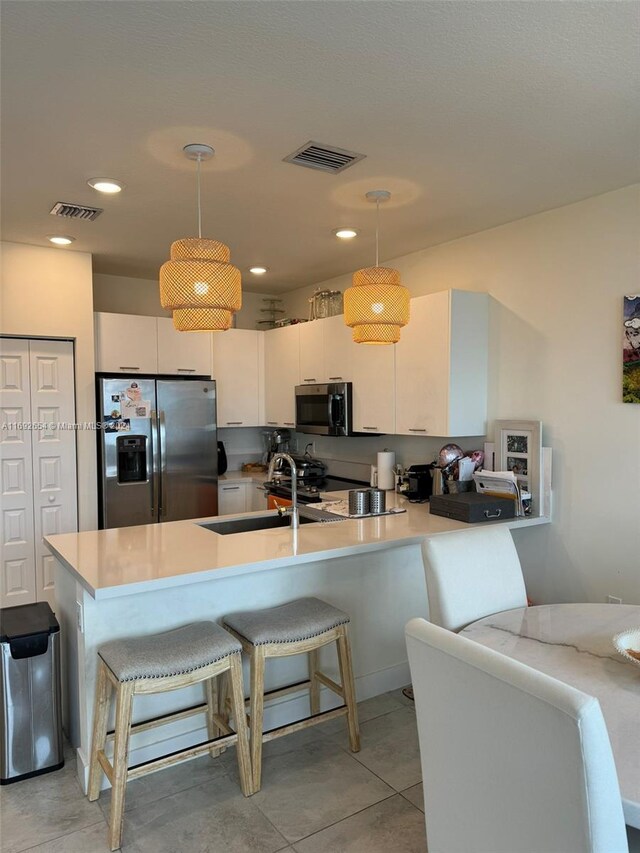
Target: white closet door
{"points": [[17, 583], [54, 453]]}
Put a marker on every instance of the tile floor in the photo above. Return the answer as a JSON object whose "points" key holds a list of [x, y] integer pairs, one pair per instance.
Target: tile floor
{"points": [[316, 797]]}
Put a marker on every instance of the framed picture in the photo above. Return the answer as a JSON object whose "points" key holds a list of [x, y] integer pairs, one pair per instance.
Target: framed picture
{"points": [[631, 350], [518, 448]]}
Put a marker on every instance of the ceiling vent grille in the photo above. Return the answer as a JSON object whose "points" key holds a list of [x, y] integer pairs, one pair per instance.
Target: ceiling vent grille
{"points": [[327, 158], [75, 211]]}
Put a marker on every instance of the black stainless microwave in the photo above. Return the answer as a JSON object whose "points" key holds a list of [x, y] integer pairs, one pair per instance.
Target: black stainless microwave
{"points": [[324, 409]]}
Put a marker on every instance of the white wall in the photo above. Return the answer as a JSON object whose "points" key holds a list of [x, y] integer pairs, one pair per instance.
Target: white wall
{"points": [[122, 295], [557, 279], [48, 293]]}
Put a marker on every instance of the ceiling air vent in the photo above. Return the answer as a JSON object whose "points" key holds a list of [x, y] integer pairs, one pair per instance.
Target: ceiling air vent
{"points": [[314, 155], [75, 211]]}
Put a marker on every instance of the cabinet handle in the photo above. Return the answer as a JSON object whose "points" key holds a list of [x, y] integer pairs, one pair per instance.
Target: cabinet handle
{"points": [[272, 423], [416, 430], [230, 488], [234, 423], [309, 380], [287, 423], [186, 369], [128, 367], [364, 427], [335, 378]]}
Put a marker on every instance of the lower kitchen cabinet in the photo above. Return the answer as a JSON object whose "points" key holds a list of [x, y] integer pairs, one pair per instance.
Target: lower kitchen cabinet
{"points": [[245, 496], [238, 368]]}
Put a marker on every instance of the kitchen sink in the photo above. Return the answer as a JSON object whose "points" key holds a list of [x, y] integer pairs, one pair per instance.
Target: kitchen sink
{"points": [[255, 522]]}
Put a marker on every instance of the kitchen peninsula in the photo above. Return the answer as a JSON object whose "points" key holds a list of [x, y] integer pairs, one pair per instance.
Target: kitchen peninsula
{"points": [[139, 580]]}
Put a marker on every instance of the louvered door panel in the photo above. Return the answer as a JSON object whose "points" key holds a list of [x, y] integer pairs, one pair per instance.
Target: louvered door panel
{"points": [[54, 452], [17, 580]]}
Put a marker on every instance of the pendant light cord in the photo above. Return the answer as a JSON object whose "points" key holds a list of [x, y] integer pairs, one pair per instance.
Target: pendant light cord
{"points": [[377, 228], [198, 197]]}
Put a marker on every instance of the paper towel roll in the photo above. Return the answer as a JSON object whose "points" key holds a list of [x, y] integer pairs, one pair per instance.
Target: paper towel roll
{"points": [[386, 477]]}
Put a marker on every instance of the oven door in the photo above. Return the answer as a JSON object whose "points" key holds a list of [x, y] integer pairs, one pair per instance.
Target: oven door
{"points": [[322, 409]]}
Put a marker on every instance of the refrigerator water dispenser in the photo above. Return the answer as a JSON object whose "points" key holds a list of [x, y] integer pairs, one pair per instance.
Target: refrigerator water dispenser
{"points": [[132, 458]]}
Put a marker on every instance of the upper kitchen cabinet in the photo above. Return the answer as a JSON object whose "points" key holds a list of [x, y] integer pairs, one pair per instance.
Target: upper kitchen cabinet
{"points": [[282, 374], [183, 353], [325, 351], [238, 368], [372, 373], [441, 366], [126, 343]]}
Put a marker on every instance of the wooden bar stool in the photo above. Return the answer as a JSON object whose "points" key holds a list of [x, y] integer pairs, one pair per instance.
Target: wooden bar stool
{"points": [[301, 626], [195, 653]]}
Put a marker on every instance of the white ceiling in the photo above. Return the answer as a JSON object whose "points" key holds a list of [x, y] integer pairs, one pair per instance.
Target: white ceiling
{"points": [[471, 113]]}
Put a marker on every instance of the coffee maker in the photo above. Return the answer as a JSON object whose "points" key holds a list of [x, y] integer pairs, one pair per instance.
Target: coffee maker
{"points": [[417, 485]]}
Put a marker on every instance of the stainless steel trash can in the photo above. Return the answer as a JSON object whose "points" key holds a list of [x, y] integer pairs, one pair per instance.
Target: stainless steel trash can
{"points": [[31, 730]]}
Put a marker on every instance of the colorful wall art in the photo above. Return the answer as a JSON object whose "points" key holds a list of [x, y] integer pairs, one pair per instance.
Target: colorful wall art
{"points": [[631, 350]]}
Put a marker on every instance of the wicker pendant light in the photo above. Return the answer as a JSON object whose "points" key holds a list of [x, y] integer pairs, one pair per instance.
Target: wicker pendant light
{"points": [[377, 306], [199, 284]]}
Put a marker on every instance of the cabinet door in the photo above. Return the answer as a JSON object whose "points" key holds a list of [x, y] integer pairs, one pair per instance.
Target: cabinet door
{"points": [[17, 583], [232, 498], [126, 343], [183, 353], [311, 352], [237, 370], [54, 454], [372, 369], [256, 497], [422, 368], [338, 347], [282, 374]]}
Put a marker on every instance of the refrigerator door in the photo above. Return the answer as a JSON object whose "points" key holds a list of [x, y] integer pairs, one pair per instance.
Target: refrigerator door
{"points": [[128, 451], [189, 448]]}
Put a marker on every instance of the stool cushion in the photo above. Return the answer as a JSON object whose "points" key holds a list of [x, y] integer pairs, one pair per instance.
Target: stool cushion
{"points": [[175, 652], [297, 620]]}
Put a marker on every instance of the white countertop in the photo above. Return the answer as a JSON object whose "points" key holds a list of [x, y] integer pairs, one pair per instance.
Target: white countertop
{"points": [[126, 560]]}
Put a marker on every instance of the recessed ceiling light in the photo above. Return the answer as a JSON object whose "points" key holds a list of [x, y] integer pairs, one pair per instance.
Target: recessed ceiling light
{"points": [[345, 233], [60, 240], [105, 185], [258, 270]]}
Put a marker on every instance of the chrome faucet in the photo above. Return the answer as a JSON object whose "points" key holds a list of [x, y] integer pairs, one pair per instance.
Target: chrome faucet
{"points": [[295, 521]]}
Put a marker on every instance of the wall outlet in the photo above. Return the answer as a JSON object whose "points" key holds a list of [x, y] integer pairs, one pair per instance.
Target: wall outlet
{"points": [[613, 599], [80, 617]]}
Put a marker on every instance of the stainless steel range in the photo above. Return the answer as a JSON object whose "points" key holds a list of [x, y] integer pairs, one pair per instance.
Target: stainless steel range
{"points": [[312, 481]]}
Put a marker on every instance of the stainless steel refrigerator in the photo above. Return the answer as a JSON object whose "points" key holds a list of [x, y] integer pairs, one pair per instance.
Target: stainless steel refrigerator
{"points": [[157, 449]]}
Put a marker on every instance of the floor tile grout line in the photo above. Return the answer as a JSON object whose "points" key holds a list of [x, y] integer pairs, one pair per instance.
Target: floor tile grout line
{"points": [[359, 811], [64, 835]]}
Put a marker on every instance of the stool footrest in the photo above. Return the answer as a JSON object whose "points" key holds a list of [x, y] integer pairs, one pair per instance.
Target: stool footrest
{"points": [[305, 723], [145, 767]]}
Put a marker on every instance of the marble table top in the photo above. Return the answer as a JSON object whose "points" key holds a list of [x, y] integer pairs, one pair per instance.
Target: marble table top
{"points": [[573, 643]]}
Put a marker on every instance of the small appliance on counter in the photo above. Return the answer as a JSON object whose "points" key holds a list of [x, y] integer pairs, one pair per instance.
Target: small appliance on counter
{"points": [[222, 459], [417, 483]]}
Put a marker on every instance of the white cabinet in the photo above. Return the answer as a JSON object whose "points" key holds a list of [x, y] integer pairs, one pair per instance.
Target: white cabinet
{"points": [[256, 497], [244, 496], [338, 348], [182, 353], [441, 366], [325, 351], [39, 486], [126, 343], [232, 498], [282, 374], [238, 368], [311, 342], [372, 373]]}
